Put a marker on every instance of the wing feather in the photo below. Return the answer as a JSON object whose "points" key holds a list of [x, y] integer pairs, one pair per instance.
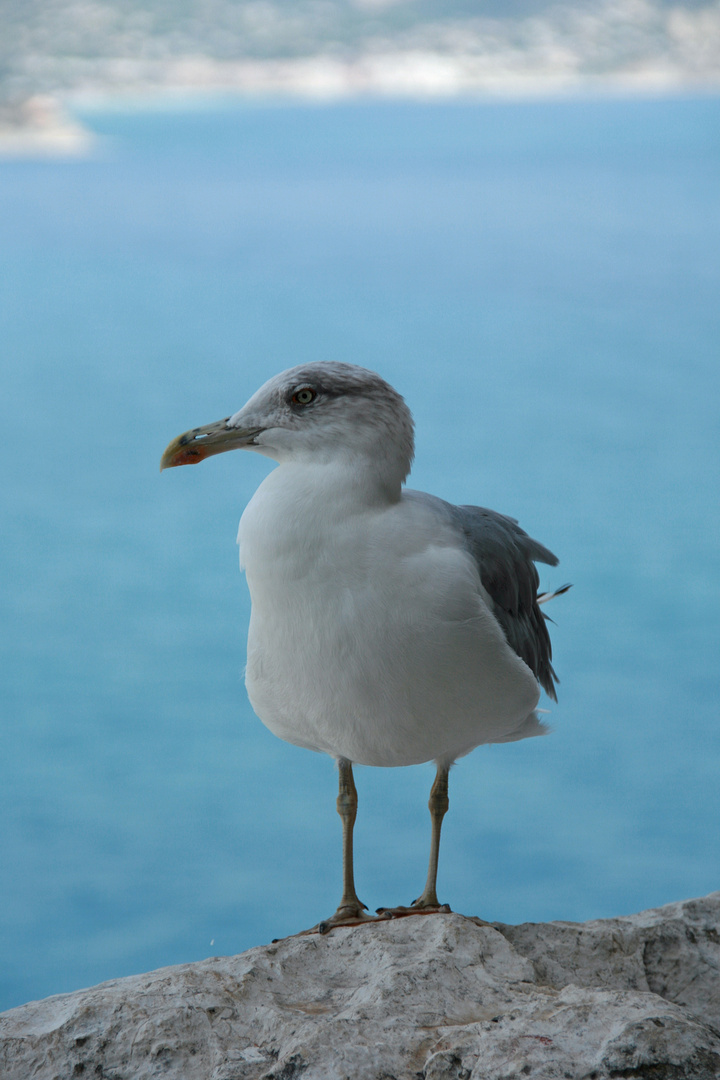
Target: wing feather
{"points": [[505, 556]]}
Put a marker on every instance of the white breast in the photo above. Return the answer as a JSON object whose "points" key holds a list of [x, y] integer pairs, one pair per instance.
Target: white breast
{"points": [[370, 636]]}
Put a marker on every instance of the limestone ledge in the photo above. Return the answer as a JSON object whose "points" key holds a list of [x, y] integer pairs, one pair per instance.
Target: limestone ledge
{"points": [[436, 997]]}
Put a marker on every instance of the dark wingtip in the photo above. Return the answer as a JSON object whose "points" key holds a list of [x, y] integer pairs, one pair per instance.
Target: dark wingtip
{"points": [[539, 553]]}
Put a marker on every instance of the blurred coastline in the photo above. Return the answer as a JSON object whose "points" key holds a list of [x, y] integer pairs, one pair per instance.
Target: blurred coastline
{"points": [[56, 60], [41, 126]]}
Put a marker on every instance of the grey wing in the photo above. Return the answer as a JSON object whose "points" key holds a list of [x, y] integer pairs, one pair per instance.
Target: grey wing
{"points": [[505, 556]]}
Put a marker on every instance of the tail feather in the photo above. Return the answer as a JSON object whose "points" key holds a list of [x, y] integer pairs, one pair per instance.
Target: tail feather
{"points": [[544, 597]]}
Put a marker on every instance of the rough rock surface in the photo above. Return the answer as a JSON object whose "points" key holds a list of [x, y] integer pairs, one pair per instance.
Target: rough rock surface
{"points": [[439, 997]]}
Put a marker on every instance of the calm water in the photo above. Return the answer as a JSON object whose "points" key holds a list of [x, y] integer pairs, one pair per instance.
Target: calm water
{"points": [[542, 282]]}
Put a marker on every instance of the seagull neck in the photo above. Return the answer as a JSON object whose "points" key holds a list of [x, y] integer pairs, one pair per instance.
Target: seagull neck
{"points": [[359, 481]]}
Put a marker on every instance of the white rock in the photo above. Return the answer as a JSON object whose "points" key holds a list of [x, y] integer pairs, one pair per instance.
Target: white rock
{"points": [[672, 951], [439, 997]]}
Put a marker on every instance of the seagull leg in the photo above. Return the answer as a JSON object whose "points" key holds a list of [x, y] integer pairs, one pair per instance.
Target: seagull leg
{"points": [[428, 903], [351, 910], [347, 801], [438, 804]]}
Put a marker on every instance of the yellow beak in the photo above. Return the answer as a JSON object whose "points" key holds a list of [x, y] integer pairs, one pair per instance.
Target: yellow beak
{"points": [[201, 442]]}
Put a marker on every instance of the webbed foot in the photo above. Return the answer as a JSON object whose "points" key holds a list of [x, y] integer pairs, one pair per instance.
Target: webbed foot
{"points": [[352, 914], [416, 908]]}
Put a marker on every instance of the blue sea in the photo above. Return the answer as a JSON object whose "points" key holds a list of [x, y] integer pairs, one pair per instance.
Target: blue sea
{"points": [[542, 283]]}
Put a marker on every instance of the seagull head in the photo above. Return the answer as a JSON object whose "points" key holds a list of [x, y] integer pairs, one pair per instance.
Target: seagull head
{"points": [[314, 413]]}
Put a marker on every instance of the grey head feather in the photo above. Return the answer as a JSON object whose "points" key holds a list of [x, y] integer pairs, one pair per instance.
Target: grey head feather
{"points": [[354, 398], [505, 557]]}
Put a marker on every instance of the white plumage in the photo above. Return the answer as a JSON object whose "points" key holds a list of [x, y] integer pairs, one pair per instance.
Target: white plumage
{"points": [[371, 637]]}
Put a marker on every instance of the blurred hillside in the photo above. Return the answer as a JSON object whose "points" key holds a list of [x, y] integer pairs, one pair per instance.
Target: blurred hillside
{"points": [[340, 47]]}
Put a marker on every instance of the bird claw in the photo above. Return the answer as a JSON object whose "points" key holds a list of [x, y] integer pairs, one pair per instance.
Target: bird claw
{"points": [[329, 924]]}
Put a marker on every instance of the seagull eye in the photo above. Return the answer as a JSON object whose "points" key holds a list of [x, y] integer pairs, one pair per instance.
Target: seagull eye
{"points": [[304, 396]]}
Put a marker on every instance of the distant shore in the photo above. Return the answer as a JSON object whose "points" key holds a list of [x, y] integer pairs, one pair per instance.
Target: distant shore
{"points": [[41, 126], [44, 125]]}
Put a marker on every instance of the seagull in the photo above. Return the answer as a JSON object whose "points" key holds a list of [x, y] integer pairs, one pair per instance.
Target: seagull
{"points": [[388, 627]]}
